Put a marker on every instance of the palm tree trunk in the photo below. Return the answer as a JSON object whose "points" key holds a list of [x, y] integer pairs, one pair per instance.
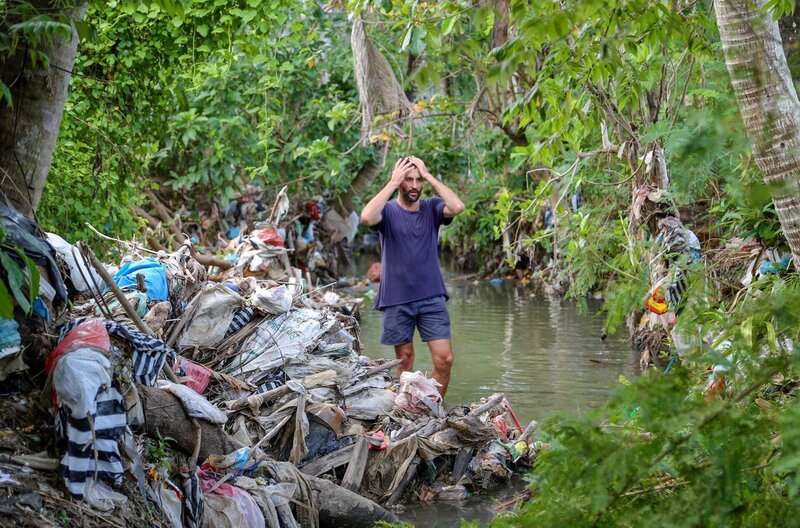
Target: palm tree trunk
{"points": [[767, 99], [29, 128]]}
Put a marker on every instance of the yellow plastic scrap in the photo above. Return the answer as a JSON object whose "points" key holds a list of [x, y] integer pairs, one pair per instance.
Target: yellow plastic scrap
{"points": [[656, 302]]}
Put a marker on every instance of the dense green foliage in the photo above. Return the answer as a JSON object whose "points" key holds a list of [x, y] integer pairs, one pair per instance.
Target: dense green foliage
{"points": [[663, 452], [224, 105]]}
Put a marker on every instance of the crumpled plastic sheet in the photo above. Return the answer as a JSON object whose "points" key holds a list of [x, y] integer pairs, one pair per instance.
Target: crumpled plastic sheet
{"points": [[263, 497], [370, 403], [9, 338], [23, 232], [79, 376], [227, 506], [212, 312], [276, 340], [102, 497]]}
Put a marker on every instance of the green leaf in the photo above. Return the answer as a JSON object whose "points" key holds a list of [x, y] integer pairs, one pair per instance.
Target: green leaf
{"points": [[202, 29], [447, 25], [6, 94], [33, 276], [407, 38], [16, 280], [417, 44], [6, 302]]}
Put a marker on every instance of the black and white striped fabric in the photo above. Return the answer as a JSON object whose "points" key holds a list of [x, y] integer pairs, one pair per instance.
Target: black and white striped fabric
{"points": [[110, 424], [149, 353], [110, 421], [192, 502], [240, 318]]}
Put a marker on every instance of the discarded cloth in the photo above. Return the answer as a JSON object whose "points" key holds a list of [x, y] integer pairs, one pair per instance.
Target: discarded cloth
{"points": [[78, 463], [240, 319]]}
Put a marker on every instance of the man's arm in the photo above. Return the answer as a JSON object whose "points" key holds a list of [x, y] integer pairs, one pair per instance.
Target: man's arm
{"points": [[453, 206], [371, 215]]}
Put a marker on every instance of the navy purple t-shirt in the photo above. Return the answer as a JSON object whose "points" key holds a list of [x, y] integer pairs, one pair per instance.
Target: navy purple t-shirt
{"points": [[409, 258]]}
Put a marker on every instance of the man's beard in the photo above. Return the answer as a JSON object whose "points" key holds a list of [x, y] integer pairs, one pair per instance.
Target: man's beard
{"points": [[408, 198]]}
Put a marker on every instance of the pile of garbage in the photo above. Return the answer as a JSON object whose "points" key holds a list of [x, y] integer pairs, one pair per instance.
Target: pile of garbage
{"points": [[264, 238], [239, 401]]}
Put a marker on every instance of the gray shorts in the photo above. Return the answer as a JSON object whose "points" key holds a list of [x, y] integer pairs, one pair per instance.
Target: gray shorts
{"points": [[429, 315]]}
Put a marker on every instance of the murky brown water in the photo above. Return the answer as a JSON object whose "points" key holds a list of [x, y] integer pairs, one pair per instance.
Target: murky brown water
{"points": [[544, 355]]}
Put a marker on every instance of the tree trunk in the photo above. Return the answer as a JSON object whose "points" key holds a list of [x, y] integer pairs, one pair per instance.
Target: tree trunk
{"points": [[29, 128], [768, 102]]}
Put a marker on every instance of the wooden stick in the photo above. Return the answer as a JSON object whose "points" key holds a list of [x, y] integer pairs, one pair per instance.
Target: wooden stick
{"points": [[328, 462], [380, 368], [355, 469], [165, 216], [196, 452], [493, 402], [117, 240], [529, 430]]}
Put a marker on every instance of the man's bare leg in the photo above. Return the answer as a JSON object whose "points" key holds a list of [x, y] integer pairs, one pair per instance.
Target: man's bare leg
{"points": [[442, 355], [406, 353]]}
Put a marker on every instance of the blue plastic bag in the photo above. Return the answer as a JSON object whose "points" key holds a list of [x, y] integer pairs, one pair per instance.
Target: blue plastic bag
{"points": [[155, 278]]}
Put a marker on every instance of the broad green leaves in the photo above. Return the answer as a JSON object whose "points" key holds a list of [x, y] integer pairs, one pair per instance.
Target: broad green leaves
{"points": [[21, 283]]}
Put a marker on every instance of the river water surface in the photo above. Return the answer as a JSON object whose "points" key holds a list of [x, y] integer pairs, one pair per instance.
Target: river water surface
{"points": [[544, 355]]}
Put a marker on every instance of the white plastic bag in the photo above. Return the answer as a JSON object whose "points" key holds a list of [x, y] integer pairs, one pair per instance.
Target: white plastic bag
{"points": [[100, 496], [78, 271], [78, 377], [275, 300]]}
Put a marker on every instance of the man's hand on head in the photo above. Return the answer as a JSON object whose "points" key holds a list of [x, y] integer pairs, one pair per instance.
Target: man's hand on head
{"points": [[401, 170], [423, 170]]}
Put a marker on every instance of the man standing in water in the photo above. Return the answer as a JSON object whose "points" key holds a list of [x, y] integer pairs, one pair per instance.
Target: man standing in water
{"points": [[411, 293]]}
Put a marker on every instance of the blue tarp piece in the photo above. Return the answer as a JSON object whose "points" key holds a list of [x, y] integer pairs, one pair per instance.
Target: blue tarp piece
{"points": [[9, 336], [155, 278], [774, 267]]}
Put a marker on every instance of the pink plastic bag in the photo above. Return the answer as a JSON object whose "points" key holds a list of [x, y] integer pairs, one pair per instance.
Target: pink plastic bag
{"points": [[240, 504], [200, 375], [89, 334], [414, 390]]}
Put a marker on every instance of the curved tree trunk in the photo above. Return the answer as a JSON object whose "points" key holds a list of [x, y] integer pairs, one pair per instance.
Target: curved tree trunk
{"points": [[29, 128], [768, 102]]}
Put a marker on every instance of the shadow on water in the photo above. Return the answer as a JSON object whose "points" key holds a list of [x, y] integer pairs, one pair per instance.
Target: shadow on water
{"points": [[545, 355]]}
